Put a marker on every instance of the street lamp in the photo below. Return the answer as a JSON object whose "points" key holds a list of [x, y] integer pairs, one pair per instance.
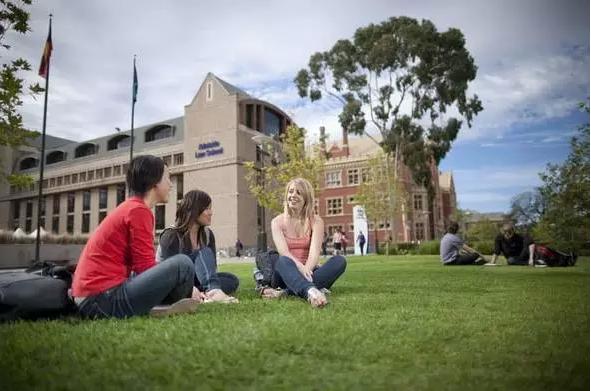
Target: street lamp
{"points": [[261, 140]]}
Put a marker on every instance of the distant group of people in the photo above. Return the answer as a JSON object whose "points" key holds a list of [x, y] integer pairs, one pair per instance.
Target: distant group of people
{"points": [[517, 250], [119, 274], [340, 242]]}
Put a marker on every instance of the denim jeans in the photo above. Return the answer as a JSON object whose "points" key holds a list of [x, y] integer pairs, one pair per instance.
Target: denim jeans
{"points": [[322, 277], [464, 259], [165, 283], [206, 275]]}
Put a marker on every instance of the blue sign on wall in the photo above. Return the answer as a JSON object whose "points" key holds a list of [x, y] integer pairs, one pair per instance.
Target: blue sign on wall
{"points": [[209, 149]]}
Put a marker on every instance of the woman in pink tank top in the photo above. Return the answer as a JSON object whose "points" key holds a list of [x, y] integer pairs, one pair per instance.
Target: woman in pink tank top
{"points": [[298, 234]]}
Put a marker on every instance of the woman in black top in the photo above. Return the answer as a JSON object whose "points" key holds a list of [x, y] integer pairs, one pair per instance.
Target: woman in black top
{"points": [[191, 236]]}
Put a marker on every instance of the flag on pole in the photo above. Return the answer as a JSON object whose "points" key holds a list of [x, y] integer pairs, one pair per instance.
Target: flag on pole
{"points": [[44, 67], [135, 85]]}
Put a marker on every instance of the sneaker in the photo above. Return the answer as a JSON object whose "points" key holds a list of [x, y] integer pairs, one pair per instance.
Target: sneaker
{"points": [[218, 296], [325, 291], [490, 264], [180, 307], [316, 298], [480, 261], [272, 293], [540, 263]]}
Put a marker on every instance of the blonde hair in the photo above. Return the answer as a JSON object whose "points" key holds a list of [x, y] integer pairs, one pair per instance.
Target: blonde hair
{"points": [[307, 192]]}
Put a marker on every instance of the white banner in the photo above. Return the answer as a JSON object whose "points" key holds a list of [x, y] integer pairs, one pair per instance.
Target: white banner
{"points": [[360, 229]]}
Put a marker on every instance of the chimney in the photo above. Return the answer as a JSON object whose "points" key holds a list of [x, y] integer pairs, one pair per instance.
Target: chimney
{"points": [[345, 148], [322, 139]]}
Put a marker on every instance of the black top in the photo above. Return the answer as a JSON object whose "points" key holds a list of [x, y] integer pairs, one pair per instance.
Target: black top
{"points": [[170, 239], [511, 247]]}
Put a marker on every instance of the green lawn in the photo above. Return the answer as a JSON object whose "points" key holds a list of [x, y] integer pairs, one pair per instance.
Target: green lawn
{"points": [[393, 323]]}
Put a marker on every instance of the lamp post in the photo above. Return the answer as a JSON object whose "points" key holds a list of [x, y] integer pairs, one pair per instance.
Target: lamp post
{"points": [[261, 140]]}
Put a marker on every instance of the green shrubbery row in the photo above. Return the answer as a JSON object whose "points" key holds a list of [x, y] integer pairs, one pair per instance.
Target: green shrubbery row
{"points": [[7, 238], [429, 247]]}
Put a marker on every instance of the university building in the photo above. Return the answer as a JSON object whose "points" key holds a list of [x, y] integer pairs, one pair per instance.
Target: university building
{"points": [[204, 149], [347, 167]]}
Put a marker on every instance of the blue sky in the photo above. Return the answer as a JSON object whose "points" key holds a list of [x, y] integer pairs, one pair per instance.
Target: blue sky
{"points": [[532, 57]]}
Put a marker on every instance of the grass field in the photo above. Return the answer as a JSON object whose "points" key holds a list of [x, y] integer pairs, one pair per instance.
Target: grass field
{"points": [[393, 323]]}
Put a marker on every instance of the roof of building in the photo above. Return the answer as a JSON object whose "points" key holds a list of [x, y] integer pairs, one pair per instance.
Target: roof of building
{"points": [[50, 141], [231, 89]]}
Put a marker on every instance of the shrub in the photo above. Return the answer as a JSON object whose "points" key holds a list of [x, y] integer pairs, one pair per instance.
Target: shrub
{"points": [[429, 247], [483, 246]]}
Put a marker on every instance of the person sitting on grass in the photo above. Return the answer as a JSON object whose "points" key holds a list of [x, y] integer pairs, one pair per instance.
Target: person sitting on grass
{"points": [[192, 236], [517, 249], [454, 251], [297, 234], [123, 245]]}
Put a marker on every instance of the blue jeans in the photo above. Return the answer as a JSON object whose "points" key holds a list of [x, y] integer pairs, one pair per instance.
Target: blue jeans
{"points": [[207, 276], [322, 277], [165, 283]]}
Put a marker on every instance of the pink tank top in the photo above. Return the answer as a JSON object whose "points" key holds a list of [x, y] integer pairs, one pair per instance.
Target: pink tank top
{"points": [[299, 247]]}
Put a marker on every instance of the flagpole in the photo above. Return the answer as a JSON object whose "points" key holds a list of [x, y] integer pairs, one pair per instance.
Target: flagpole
{"points": [[133, 98], [42, 166]]}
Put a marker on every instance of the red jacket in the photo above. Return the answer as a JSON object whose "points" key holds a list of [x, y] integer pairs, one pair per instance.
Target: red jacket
{"points": [[122, 243]]}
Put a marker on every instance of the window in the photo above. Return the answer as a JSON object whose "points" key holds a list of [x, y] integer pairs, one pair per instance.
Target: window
{"points": [[16, 210], [55, 157], [82, 176], [107, 172], [28, 163], [90, 175], [117, 142], [56, 204], [160, 214], [29, 211], [351, 199], [55, 224], [86, 149], [419, 231], [353, 176], [74, 178], [332, 228], [167, 160], [67, 180], [333, 179], [179, 187], [418, 201], [120, 193], [71, 202], [178, 159], [59, 180], [209, 95], [316, 206], [85, 223], [102, 215], [70, 224], [86, 200], [351, 228], [384, 225], [52, 182], [43, 205], [116, 170], [124, 168], [159, 132], [103, 197], [272, 123], [45, 184], [334, 206], [99, 173], [365, 174]]}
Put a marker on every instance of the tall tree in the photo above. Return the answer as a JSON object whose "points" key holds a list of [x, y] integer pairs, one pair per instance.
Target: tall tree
{"points": [[565, 189], [527, 208], [14, 17], [267, 184], [407, 76]]}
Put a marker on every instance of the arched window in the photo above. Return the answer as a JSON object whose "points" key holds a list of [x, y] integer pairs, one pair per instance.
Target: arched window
{"points": [[159, 132], [28, 163], [119, 141], [86, 149], [55, 156]]}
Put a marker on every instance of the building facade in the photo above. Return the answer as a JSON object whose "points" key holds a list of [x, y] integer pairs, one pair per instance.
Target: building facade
{"points": [[204, 149], [347, 167]]}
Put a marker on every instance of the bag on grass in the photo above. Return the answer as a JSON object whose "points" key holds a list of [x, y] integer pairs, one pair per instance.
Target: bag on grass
{"points": [[265, 275], [554, 258], [42, 293]]}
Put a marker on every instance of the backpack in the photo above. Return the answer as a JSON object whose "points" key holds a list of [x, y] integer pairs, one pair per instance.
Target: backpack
{"points": [[554, 258], [39, 292], [265, 275]]}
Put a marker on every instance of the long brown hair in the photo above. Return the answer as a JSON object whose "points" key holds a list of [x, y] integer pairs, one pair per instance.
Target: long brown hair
{"points": [[193, 204]]}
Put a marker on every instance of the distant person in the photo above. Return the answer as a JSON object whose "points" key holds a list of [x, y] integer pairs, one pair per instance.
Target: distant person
{"points": [[344, 241], [361, 241], [454, 251], [517, 249], [337, 244], [239, 247], [324, 244], [297, 234], [192, 236], [123, 244]]}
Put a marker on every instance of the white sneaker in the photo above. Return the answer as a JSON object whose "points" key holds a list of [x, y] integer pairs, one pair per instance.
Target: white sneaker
{"points": [[490, 264], [316, 298]]}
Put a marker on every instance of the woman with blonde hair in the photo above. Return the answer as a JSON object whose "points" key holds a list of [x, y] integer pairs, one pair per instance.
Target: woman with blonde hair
{"points": [[298, 234]]}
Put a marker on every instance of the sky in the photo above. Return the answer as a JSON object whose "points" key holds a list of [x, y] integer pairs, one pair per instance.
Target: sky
{"points": [[532, 58]]}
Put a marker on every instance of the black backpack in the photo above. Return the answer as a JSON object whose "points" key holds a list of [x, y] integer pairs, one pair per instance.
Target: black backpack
{"points": [[39, 292], [265, 276]]}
